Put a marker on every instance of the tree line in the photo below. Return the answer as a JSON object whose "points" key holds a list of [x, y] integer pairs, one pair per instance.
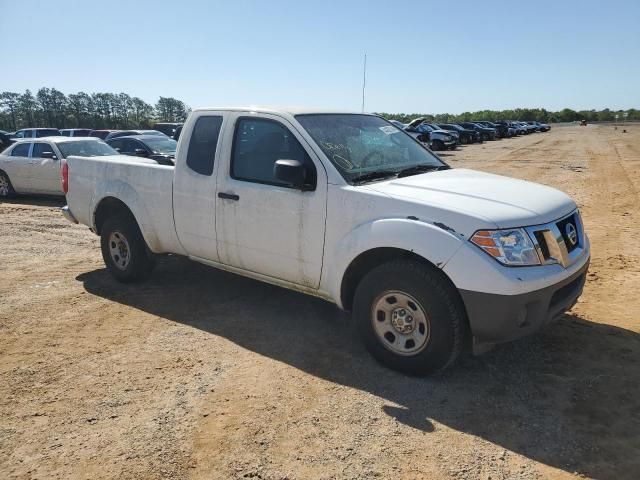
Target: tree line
{"points": [[50, 107], [523, 114]]}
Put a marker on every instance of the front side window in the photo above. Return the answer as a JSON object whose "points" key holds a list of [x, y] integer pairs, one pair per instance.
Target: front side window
{"points": [[258, 143], [38, 148], [21, 150], [361, 145], [203, 143]]}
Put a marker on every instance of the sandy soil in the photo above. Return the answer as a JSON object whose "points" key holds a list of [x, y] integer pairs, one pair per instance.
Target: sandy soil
{"points": [[203, 374]]}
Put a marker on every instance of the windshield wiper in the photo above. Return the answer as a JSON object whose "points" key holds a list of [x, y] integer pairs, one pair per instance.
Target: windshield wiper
{"points": [[421, 169], [375, 175]]}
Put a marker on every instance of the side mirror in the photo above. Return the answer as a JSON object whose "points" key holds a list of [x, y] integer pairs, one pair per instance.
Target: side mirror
{"points": [[117, 149], [48, 155], [291, 172], [141, 152]]}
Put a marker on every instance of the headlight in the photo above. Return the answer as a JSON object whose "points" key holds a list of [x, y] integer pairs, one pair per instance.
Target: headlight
{"points": [[509, 247]]}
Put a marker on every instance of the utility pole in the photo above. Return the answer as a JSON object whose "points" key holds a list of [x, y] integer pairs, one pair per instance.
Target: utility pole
{"points": [[364, 80]]}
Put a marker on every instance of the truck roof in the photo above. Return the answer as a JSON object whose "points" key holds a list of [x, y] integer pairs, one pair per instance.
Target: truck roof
{"points": [[275, 109]]}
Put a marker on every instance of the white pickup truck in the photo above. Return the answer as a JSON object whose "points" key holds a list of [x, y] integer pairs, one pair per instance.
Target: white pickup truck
{"points": [[430, 260]]}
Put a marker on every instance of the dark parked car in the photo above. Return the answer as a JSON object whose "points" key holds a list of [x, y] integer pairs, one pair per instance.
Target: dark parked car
{"points": [[128, 133], [511, 130], [75, 132], [162, 149], [5, 140], [169, 129], [466, 135], [486, 133], [101, 133], [177, 133], [502, 131]]}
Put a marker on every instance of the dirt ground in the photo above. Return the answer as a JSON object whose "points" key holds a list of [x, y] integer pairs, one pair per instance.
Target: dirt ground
{"points": [[203, 374]]}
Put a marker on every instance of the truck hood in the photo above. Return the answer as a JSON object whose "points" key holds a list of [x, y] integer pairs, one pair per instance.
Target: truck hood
{"points": [[472, 200]]}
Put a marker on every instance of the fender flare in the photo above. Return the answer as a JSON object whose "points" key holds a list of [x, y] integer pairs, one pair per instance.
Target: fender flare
{"points": [[434, 242], [129, 196]]}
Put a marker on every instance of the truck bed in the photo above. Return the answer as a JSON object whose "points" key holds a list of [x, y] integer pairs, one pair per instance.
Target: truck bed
{"points": [[143, 185]]}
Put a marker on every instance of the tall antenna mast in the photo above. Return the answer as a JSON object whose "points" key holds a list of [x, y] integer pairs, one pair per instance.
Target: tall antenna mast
{"points": [[364, 80]]}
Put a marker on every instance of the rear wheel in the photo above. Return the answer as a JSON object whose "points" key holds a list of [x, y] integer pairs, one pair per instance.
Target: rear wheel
{"points": [[410, 317], [6, 189], [124, 250]]}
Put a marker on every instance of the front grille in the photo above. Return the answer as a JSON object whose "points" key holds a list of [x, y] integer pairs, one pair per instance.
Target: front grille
{"points": [[569, 224], [553, 241]]}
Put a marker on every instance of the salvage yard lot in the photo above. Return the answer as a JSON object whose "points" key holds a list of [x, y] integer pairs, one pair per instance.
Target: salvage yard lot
{"points": [[203, 374]]}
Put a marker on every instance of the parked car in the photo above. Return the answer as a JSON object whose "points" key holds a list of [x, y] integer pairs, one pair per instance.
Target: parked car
{"points": [[436, 139], [34, 166], [466, 135], [36, 133], [429, 259], [101, 134], [454, 133], [161, 149], [128, 133], [502, 131], [528, 128], [510, 129], [541, 127], [176, 135], [75, 132], [5, 140], [169, 129], [486, 133]]}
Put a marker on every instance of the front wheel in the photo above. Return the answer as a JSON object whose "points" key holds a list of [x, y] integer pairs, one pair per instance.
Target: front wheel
{"points": [[6, 189], [437, 145], [124, 250], [410, 317]]}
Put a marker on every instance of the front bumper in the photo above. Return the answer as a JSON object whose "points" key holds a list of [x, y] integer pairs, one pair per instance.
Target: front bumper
{"points": [[498, 318]]}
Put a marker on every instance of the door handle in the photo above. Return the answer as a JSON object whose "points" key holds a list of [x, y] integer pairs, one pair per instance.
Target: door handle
{"points": [[229, 196]]}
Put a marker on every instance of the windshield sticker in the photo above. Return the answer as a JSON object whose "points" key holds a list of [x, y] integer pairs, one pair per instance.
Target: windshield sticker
{"points": [[388, 129]]}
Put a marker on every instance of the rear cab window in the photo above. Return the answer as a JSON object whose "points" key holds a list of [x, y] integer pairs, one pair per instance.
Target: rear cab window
{"points": [[203, 143]]}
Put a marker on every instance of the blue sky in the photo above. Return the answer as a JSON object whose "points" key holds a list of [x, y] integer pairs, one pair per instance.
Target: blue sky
{"points": [[423, 56]]}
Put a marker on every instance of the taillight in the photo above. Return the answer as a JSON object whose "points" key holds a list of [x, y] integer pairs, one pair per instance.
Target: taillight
{"points": [[65, 177]]}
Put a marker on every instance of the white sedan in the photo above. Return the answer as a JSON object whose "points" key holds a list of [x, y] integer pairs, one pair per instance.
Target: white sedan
{"points": [[34, 165]]}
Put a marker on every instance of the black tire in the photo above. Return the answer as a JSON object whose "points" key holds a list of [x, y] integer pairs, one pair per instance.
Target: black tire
{"points": [[6, 189], [440, 301], [464, 140], [139, 260], [437, 145]]}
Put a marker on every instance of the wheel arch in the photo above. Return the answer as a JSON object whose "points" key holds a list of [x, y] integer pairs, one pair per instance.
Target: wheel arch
{"points": [[370, 259], [108, 207]]}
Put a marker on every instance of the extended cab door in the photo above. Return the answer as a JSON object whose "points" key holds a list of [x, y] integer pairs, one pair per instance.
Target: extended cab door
{"points": [[263, 225], [194, 185]]}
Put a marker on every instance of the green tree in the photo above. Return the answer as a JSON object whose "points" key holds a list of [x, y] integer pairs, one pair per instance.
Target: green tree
{"points": [[10, 102]]}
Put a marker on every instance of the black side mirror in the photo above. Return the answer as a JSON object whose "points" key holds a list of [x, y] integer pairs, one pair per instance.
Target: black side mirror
{"points": [[48, 155], [291, 172], [141, 152]]}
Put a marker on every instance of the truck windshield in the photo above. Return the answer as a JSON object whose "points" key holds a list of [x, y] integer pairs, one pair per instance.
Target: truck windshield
{"points": [[85, 148], [363, 144]]}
